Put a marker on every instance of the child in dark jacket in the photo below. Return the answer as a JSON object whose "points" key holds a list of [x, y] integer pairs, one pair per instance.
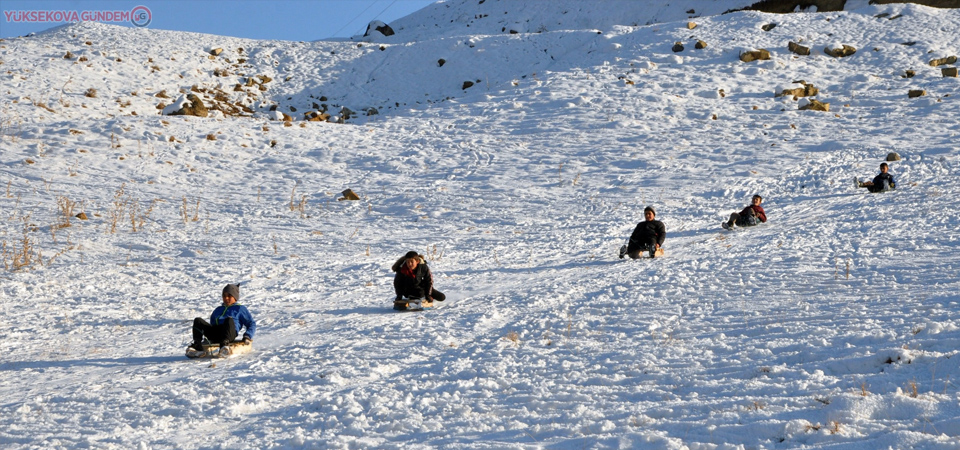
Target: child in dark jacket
{"points": [[749, 216], [648, 236], [414, 280], [882, 182]]}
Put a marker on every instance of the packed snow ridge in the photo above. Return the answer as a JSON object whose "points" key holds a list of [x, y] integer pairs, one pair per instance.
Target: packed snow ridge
{"points": [[515, 145]]}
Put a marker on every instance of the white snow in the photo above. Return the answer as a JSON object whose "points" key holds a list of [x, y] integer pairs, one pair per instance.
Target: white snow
{"points": [[834, 325]]}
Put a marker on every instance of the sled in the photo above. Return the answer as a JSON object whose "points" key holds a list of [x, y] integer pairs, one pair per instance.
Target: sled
{"points": [[412, 304], [656, 254], [213, 350]]}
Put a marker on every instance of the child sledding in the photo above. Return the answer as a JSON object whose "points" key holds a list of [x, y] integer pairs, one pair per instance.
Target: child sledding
{"points": [[217, 338], [749, 216], [414, 284], [881, 183], [648, 237]]}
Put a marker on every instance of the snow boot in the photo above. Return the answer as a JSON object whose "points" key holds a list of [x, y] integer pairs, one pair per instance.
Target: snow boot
{"points": [[623, 251]]}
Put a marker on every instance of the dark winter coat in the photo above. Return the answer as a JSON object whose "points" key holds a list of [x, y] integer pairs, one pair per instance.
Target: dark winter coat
{"points": [[241, 317], [647, 233], [753, 210], [878, 182], [420, 285]]}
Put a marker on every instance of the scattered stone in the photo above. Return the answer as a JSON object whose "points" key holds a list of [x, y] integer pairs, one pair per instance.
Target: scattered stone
{"points": [[92, 93], [216, 52], [441, 62], [808, 90], [798, 49], [843, 52], [754, 55], [700, 45], [379, 27], [189, 105], [908, 74], [691, 25], [82, 216], [787, 7], [813, 105], [949, 72], [677, 47], [466, 84], [914, 93], [348, 195], [943, 61], [768, 26], [68, 55], [893, 156], [316, 116]]}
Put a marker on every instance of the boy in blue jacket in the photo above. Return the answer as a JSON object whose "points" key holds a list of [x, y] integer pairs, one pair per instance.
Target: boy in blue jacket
{"points": [[225, 323]]}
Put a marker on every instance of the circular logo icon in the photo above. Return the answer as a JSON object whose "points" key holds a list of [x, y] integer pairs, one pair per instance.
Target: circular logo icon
{"points": [[141, 16]]}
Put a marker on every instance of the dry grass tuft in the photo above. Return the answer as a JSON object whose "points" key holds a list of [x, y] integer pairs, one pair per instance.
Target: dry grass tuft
{"points": [[21, 254]]}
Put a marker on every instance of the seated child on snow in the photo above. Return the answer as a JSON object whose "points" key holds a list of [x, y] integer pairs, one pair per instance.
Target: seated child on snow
{"points": [[882, 182], [414, 280], [225, 322], [648, 236], [750, 216]]}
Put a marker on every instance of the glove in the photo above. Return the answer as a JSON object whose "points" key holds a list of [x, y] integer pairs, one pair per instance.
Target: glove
{"points": [[247, 340]]}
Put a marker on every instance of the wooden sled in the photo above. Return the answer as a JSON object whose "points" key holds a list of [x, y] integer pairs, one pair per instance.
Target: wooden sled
{"points": [[213, 350], [412, 304]]}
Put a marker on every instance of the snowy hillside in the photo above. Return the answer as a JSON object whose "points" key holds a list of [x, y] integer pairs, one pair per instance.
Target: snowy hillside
{"points": [[834, 325]]}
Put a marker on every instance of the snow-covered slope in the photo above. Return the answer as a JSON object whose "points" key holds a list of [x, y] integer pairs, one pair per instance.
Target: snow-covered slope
{"points": [[833, 325]]}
